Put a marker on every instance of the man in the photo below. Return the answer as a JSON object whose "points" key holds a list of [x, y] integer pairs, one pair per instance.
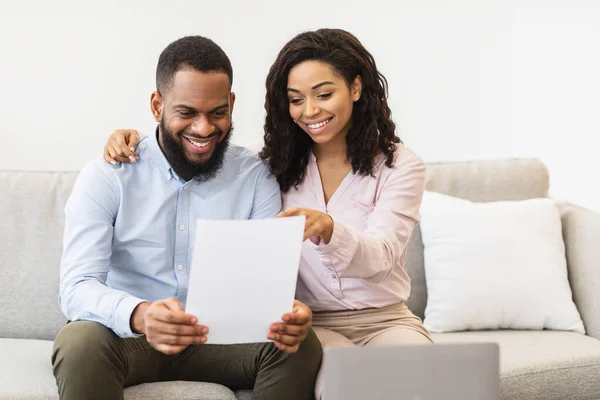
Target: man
{"points": [[128, 244]]}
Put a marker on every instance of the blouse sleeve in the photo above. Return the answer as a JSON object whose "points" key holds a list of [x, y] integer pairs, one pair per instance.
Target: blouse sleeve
{"points": [[373, 254]]}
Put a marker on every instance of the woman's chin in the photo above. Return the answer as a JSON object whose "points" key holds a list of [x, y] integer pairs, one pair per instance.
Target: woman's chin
{"points": [[321, 138]]}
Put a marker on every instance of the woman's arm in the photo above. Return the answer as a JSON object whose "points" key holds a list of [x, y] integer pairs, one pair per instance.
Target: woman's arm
{"points": [[373, 254], [121, 145]]}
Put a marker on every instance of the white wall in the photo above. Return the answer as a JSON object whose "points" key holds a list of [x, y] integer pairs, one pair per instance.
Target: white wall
{"points": [[468, 79]]}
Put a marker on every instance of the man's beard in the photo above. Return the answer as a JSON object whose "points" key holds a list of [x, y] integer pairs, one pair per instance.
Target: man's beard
{"points": [[198, 171]]}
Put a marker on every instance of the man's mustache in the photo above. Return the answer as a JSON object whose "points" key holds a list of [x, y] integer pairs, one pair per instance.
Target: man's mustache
{"points": [[215, 133]]}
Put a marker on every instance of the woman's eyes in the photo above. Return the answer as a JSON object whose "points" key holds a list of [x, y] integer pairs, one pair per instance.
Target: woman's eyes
{"points": [[322, 96]]}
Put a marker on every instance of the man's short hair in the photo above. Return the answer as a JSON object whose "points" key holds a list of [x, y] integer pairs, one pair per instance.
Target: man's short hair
{"points": [[197, 52]]}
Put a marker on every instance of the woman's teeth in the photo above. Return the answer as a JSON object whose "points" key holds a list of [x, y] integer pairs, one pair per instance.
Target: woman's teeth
{"points": [[319, 124]]}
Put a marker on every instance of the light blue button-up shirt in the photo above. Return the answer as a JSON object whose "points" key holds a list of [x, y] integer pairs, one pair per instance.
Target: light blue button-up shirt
{"points": [[129, 229]]}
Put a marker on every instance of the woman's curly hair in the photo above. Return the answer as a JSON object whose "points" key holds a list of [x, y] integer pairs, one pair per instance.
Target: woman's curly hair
{"points": [[287, 147]]}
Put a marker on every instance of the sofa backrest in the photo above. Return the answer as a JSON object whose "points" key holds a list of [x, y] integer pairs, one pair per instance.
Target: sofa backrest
{"points": [[32, 206], [513, 179]]}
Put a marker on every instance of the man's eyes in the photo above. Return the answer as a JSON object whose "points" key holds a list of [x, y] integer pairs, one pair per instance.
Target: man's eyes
{"points": [[188, 114]]}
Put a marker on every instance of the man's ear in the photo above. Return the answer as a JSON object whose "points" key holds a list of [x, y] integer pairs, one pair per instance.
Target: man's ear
{"points": [[231, 102], [156, 105]]}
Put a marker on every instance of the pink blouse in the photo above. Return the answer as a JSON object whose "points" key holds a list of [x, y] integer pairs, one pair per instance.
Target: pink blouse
{"points": [[363, 264]]}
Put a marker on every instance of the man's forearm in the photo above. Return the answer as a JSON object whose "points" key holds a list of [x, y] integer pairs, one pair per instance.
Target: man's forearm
{"points": [[91, 300]]}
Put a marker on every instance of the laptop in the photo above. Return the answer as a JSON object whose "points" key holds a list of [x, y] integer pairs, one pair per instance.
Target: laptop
{"points": [[469, 371]]}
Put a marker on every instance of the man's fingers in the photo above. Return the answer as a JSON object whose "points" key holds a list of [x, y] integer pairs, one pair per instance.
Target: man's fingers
{"points": [[173, 304], [285, 339], [293, 330], [174, 340], [177, 309], [180, 329], [172, 317], [299, 317], [287, 349], [168, 349]]}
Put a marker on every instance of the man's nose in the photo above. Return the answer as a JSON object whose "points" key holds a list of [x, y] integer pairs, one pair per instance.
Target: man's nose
{"points": [[202, 126]]}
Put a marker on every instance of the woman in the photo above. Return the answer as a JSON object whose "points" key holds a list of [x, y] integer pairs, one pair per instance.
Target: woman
{"points": [[331, 143]]}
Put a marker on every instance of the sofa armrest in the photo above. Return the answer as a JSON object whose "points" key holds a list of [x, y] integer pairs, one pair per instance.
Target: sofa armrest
{"points": [[581, 232]]}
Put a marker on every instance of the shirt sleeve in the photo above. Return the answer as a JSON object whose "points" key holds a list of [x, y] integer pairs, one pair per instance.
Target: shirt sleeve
{"points": [[267, 196], [373, 254], [90, 213]]}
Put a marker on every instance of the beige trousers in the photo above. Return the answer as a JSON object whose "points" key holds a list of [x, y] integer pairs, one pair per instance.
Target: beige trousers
{"points": [[391, 325]]}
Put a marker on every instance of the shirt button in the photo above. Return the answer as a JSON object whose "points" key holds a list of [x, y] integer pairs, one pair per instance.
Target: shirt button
{"points": [[333, 276], [185, 188], [180, 267], [181, 227]]}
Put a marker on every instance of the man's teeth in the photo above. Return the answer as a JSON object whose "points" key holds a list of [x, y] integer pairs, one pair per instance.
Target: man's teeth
{"points": [[199, 144], [320, 124]]}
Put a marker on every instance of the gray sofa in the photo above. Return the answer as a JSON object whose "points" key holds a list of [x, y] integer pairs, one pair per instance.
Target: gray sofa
{"points": [[534, 364]]}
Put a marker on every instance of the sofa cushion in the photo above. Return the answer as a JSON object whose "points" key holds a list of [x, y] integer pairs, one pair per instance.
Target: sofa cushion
{"points": [[512, 179], [26, 370], [179, 390], [244, 394], [26, 373], [509, 255], [541, 365]]}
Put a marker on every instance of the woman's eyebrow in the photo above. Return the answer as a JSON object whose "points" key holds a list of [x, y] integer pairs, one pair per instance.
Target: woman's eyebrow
{"points": [[318, 85]]}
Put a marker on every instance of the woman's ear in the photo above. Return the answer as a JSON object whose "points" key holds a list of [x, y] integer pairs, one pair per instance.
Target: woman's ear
{"points": [[356, 88], [156, 105]]}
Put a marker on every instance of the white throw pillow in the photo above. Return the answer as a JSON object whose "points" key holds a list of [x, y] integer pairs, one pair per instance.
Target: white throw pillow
{"points": [[498, 265]]}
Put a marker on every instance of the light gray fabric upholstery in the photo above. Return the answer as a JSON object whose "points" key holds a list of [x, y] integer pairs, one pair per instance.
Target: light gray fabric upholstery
{"points": [[581, 232], [476, 181], [179, 390], [31, 226], [244, 395], [541, 365], [26, 373], [516, 179], [415, 268], [26, 370]]}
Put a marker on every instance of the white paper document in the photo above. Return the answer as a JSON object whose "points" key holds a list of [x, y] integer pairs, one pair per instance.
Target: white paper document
{"points": [[243, 276]]}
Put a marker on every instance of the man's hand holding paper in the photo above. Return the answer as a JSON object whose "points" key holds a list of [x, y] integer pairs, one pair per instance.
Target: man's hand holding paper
{"points": [[288, 334]]}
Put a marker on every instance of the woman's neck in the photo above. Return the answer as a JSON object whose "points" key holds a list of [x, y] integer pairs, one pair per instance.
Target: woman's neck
{"points": [[333, 150]]}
